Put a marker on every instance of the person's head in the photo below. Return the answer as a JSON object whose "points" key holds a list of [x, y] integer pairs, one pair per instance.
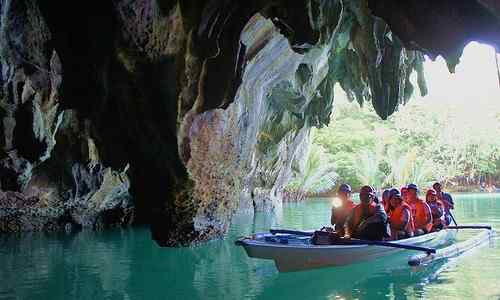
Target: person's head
{"points": [[386, 195], [437, 187], [404, 193], [412, 191], [366, 194], [430, 196], [345, 191], [395, 198]]}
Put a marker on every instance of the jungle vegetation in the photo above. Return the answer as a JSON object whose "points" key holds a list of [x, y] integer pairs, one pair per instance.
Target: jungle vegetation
{"points": [[420, 143]]}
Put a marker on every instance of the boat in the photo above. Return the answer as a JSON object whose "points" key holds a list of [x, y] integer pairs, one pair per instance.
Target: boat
{"points": [[293, 251], [486, 234]]}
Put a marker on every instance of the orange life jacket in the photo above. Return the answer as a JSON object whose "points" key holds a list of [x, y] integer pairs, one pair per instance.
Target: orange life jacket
{"points": [[358, 216], [397, 218], [422, 216]]}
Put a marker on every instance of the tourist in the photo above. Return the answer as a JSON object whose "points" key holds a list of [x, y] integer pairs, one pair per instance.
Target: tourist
{"points": [[404, 194], [447, 201], [340, 213], [367, 220], [400, 218], [421, 212], [385, 199], [437, 210]]}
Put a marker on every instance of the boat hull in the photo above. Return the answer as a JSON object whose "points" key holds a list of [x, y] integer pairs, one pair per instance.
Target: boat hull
{"points": [[297, 257]]}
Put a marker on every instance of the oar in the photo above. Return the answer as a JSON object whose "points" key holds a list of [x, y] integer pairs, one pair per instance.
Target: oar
{"points": [[388, 244], [358, 242], [470, 227], [287, 231], [453, 218]]}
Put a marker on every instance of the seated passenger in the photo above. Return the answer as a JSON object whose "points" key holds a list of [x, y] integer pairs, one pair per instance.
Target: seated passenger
{"points": [[400, 219], [340, 213], [367, 220], [437, 210], [447, 201], [385, 199], [404, 194], [421, 212]]}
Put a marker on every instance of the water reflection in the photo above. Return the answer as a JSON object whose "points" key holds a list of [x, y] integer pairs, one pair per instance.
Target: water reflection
{"points": [[126, 264]]}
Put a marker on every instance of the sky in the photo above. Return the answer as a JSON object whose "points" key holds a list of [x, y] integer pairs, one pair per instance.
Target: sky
{"points": [[472, 93], [475, 80]]}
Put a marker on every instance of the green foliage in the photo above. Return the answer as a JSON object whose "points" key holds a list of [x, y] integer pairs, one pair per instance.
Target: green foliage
{"points": [[318, 174], [420, 144], [408, 168]]}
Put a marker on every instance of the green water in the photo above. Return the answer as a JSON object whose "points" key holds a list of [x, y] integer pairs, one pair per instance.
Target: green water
{"points": [[126, 264]]}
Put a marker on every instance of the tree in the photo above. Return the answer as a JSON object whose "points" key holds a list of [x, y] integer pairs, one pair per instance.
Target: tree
{"points": [[319, 173], [419, 143]]}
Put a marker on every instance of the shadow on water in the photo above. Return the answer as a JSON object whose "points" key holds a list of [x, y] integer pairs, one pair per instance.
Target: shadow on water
{"points": [[124, 264], [127, 264], [375, 280]]}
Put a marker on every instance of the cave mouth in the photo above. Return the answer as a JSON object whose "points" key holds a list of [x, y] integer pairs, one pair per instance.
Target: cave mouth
{"points": [[178, 114], [446, 136]]}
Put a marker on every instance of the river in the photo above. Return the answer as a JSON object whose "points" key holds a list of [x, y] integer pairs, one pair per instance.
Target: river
{"points": [[127, 264]]}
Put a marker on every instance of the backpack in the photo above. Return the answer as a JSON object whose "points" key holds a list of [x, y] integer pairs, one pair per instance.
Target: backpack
{"points": [[323, 237]]}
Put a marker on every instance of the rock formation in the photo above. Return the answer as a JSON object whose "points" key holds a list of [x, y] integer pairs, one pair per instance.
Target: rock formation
{"points": [[177, 113]]}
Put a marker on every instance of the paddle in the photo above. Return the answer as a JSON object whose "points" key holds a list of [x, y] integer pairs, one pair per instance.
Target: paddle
{"points": [[287, 231], [470, 227], [453, 218], [388, 244], [358, 242]]}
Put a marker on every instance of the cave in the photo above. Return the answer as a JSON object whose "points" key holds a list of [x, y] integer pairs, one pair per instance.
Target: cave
{"points": [[177, 114]]}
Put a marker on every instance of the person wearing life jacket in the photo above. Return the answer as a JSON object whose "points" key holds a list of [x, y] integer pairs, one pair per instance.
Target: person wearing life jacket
{"points": [[385, 200], [437, 210], [400, 218], [421, 212], [447, 201], [404, 194], [367, 220], [340, 213]]}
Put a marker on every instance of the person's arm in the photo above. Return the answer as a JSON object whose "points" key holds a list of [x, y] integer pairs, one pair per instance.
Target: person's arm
{"points": [[406, 219], [452, 204], [380, 216], [448, 201], [440, 210], [429, 213], [348, 224]]}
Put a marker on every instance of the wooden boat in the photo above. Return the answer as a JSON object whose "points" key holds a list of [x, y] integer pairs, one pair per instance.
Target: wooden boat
{"points": [[292, 252]]}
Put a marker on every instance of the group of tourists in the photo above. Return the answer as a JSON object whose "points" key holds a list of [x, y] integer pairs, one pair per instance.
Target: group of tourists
{"points": [[401, 213]]}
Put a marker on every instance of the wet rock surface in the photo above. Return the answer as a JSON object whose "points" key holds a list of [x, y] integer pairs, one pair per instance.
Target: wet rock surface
{"points": [[179, 113]]}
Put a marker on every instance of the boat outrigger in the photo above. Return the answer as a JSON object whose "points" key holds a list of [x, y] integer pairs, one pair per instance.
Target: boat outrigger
{"points": [[294, 251]]}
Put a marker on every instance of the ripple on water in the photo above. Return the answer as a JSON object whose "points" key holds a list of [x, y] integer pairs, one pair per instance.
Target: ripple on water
{"points": [[126, 264]]}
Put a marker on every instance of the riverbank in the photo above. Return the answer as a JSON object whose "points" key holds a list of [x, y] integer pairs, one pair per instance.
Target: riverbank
{"points": [[452, 190]]}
